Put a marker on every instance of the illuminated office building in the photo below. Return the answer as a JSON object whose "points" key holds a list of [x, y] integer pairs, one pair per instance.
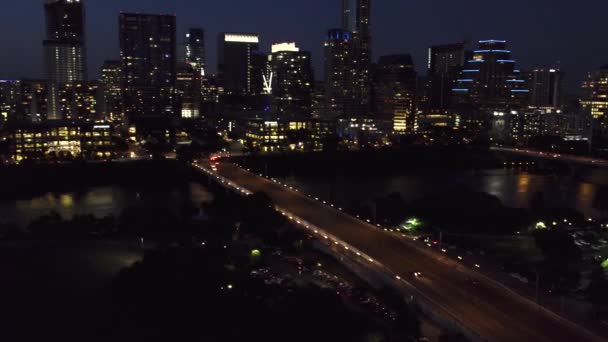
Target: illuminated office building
{"points": [[194, 56], [444, 64], [64, 48], [78, 101], [291, 80], [148, 63], [60, 140], [546, 87], [595, 99], [34, 98], [111, 91], [356, 18], [194, 49], [235, 62], [395, 92], [340, 94], [489, 85], [188, 91], [289, 134], [10, 93]]}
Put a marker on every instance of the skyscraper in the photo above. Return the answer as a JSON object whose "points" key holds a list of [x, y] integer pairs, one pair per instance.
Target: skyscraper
{"points": [[444, 64], [291, 79], [546, 86], [595, 99], [488, 84], [356, 18], [395, 92], [111, 90], [79, 101], [194, 49], [64, 48], [259, 72], [235, 67], [340, 96], [148, 61], [188, 91]]}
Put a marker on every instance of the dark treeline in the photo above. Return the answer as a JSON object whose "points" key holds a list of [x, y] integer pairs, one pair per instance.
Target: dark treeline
{"points": [[388, 162], [25, 181]]}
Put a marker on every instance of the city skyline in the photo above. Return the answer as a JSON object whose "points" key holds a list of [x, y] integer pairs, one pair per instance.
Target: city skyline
{"points": [[291, 22]]}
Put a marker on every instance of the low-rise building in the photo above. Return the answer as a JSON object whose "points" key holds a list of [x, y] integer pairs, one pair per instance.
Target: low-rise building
{"points": [[289, 134], [61, 141]]}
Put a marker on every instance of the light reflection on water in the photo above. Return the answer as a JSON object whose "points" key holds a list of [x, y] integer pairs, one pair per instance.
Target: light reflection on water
{"points": [[513, 188], [98, 201]]}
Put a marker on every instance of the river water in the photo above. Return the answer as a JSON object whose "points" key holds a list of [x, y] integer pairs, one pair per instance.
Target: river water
{"points": [[99, 201], [515, 188]]}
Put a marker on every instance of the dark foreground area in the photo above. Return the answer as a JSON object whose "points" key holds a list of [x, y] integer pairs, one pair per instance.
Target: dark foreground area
{"points": [[232, 269]]}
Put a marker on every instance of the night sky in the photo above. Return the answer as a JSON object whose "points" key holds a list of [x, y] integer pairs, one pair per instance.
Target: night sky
{"points": [[539, 31]]}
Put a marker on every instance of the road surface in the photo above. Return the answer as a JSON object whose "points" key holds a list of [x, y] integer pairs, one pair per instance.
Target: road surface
{"points": [[490, 311]]}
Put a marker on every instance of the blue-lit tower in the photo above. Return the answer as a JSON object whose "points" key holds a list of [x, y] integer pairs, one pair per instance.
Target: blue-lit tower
{"points": [[489, 84]]}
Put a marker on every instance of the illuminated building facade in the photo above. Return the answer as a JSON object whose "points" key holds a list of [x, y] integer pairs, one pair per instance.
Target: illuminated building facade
{"points": [[546, 88], [291, 80], [529, 123], [595, 99], [61, 140], [489, 83], [78, 101], [10, 93], [194, 58], [260, 73], [318, 100], [444, 64], [289, 135], [395, 92], [356, 18], [340, 95], [111, 91], [33, 100], [148, 63], [194, 49], [64, 48], [235, 65], [188, 91]]}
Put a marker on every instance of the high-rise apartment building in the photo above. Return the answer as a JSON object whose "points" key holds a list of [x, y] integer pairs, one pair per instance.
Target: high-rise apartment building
{"points": [[488, 84], [235, 65], [194, 49], [444, 64], [188, 91], [395, 81], [356, 18], [78, 101], [340, 79], [64, 48], [148, 63], [291, 79], [111, 91], [546, 87], [595, 99]]}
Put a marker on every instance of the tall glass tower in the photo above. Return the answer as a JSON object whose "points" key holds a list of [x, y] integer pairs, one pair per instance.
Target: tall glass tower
{"points": [[194, 49], [148, 63], [488, 84], [64, 48], [356, 18]]}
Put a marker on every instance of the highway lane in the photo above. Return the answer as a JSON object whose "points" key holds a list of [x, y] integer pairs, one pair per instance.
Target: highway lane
{"points": [[492, 312]]}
